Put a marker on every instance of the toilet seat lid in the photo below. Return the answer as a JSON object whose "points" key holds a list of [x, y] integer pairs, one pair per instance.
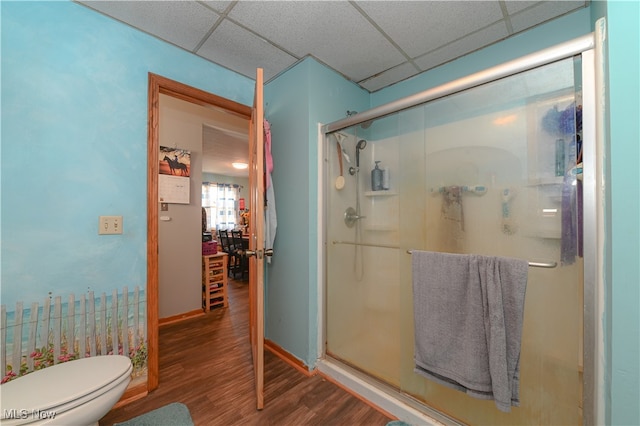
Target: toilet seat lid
{"points": [[62, 383]]}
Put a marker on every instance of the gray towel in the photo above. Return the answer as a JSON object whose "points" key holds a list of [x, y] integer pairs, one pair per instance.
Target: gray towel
{"points": [[468, 312]]}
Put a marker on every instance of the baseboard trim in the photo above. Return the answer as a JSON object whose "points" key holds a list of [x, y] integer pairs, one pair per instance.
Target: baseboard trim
{"points": [[288, 358], [180, 317]]}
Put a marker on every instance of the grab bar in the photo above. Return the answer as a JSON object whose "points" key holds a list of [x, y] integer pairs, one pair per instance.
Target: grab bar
{"points": [[543, 264], [547, 265], [365, 244]]}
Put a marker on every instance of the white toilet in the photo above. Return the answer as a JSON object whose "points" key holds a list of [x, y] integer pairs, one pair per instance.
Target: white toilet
{"points": [[78, 392]]}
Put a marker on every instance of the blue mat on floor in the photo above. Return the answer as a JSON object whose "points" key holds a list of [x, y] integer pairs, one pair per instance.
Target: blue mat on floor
{"points": [[175, 414], [398, 423]]}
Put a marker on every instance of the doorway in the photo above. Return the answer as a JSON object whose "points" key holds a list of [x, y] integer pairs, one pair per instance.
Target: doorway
{"points": [[160, 85]]}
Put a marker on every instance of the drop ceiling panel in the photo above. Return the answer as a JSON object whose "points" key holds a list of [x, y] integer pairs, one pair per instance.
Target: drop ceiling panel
{"points": [[517, 5], [399, 73], [419, 27], [462, 46], [334, 32], [543, 12], [372, 43], [182, 23], [218, 6], [243, 52]]}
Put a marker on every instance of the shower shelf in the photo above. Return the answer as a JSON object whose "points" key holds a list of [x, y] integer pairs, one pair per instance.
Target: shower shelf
{"points": [[383, 193]]}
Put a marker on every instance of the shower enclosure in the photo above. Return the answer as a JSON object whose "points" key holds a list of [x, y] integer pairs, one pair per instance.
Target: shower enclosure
{"points": [[494, 169]]}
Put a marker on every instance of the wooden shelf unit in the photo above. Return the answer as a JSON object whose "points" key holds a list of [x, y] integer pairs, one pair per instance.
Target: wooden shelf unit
{"points": [[214, 281]]}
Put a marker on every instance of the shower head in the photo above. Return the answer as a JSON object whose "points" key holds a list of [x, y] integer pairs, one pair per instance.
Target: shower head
{"points": [[364, 125], [359, 146]]}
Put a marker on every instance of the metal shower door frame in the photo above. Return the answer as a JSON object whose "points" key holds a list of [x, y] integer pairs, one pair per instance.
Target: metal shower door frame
{"points": [[590, 47]]}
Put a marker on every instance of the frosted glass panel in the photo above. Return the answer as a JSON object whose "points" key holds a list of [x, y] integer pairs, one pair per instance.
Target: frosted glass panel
{"points": [[493, 171]]}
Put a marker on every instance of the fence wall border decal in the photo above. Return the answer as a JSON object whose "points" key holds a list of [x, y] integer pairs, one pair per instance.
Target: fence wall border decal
{"points": [[61, 336]]}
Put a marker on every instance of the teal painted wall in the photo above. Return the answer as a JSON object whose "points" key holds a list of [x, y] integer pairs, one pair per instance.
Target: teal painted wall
{"points": [[297, 100], [74, 145], [623, 224], [287, 277]]}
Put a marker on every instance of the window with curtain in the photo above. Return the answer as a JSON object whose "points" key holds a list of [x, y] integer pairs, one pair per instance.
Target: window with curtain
{"points": [[220, 202]]}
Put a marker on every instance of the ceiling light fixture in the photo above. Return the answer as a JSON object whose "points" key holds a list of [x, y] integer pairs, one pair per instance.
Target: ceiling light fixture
{"points": [[240, 166]]}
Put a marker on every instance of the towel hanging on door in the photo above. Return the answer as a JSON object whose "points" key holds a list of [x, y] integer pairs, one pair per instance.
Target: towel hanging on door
{"points": [[271, 221]]}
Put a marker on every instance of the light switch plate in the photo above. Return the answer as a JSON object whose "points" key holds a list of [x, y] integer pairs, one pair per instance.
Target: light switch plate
{"points": [[110, 225]]}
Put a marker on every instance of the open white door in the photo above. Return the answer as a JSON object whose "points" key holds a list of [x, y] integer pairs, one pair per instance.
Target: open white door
{"points": [[256, 240]]}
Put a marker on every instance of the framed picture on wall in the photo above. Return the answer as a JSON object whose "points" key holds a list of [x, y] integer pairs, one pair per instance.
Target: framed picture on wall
{"points": [[175, 161], [174, 181]]}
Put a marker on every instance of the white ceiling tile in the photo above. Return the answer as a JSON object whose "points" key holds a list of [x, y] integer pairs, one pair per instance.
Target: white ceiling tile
{"points": [[243, 52], [394, 75], [334, 32], [183, 23], [422, 26], [543, 12], [463, 46], [218, 6], [515, 6]]}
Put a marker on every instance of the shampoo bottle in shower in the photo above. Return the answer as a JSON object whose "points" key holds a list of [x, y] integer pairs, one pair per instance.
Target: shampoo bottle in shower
{"points": [[376, 178], [385, 178]]}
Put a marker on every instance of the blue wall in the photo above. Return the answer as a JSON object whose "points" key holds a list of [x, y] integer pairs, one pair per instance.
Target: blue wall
{"points": [[297, 100], [623, 224], [74, 145]]}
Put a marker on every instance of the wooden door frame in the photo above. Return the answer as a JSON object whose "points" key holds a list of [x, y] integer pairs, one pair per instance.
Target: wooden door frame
{"points": [[158, 85]]}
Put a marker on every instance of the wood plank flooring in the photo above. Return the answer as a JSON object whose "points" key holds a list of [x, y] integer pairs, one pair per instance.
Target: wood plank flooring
{"points": [[205, 363]]}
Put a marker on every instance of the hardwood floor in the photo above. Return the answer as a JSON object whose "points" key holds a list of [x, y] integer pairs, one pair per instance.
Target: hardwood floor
{"points": [[205, 363]]}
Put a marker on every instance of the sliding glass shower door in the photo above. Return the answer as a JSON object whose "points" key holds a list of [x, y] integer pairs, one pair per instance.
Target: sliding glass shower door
{"points": [[494, 170]]}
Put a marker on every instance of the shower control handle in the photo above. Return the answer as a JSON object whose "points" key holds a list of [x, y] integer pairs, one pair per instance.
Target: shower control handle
{"points": [[351, 216]]}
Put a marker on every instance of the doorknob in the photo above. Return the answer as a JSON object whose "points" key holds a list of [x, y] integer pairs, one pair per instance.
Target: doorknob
{"points": [[259, 253]]}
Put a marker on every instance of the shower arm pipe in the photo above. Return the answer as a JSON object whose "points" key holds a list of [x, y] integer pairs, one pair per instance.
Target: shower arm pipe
{"points": [[525, 63], [548, 265]]}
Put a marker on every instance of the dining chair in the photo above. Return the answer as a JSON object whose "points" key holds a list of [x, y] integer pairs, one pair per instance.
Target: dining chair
{"points": [[236, 238], [233, 265]]}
